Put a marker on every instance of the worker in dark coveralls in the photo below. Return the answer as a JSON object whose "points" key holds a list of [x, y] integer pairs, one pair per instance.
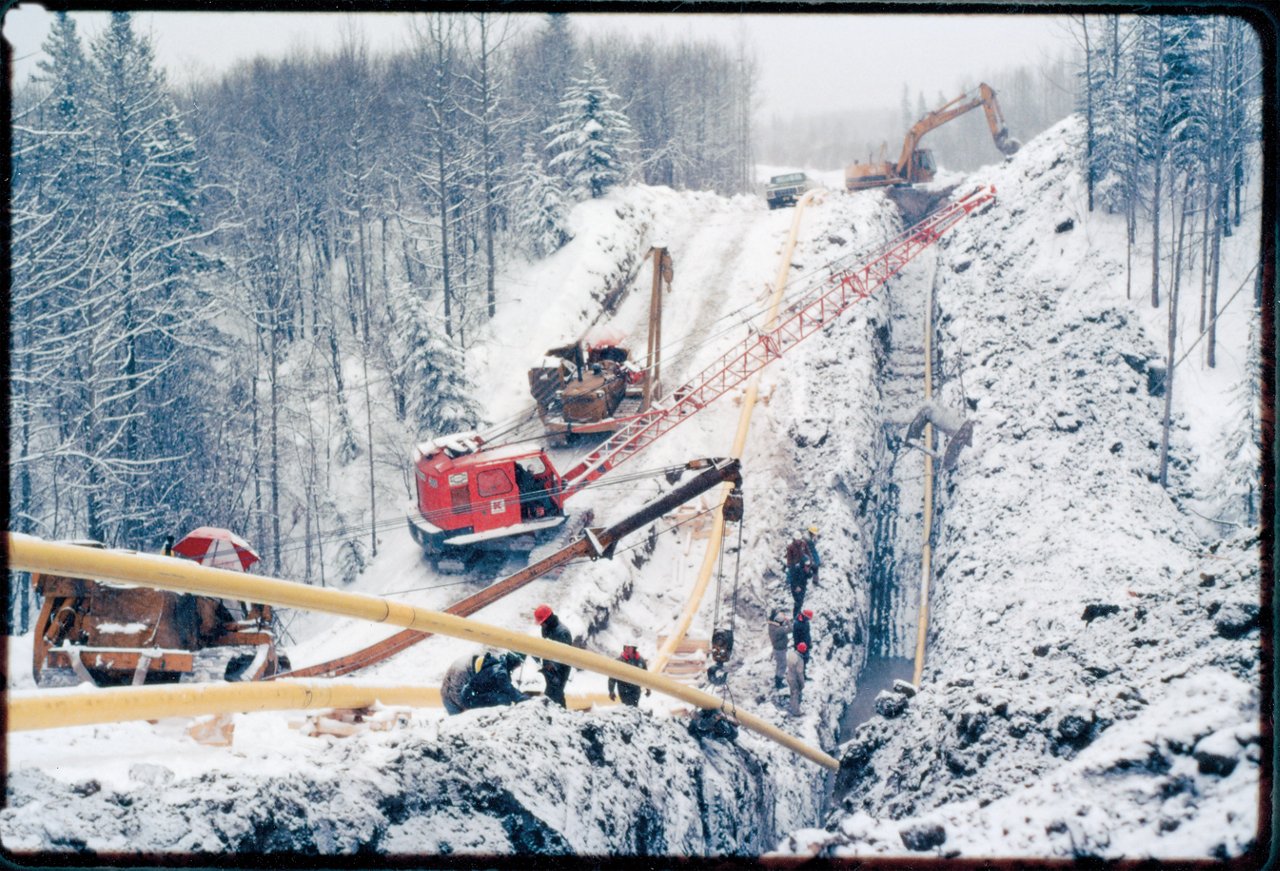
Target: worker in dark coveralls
{"points": [[629, 693], [480, 680], [802, 566], [556, 673], [801, 633]]}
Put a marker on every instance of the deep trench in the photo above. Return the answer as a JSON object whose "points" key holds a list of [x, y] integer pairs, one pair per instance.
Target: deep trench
{"points": [[894, 520]]}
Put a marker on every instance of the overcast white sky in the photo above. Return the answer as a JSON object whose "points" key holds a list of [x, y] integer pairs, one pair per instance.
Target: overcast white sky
{"points": [[807, 62]]}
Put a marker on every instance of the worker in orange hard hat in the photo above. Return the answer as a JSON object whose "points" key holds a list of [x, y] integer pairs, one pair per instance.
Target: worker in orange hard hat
{"points": [[556, 673]]}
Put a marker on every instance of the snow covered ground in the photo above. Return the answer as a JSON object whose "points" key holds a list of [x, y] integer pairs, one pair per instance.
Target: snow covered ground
{"points": [[1092, 682], [1092, 678]]}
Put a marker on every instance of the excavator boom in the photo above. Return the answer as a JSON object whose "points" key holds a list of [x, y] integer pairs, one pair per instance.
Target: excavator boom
{"points": [[915, 164]]}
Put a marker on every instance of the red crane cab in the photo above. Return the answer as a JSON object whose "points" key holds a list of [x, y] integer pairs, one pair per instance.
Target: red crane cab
{"points": [[470, 500]]}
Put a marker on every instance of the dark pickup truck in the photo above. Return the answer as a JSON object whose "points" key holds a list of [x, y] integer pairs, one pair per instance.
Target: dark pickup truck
{"points": [[785, 190]]}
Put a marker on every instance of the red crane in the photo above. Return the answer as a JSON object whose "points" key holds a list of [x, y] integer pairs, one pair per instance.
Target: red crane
{"points": [[471, 496]]}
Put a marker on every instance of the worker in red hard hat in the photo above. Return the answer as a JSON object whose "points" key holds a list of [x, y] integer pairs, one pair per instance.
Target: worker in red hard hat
{"points": [[556, 673], [795, 676], [628, 692], [801, 628]]}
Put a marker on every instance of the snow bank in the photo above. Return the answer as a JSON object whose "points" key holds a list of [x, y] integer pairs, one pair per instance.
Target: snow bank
{"points": [[1091, 684], [476, 784]]}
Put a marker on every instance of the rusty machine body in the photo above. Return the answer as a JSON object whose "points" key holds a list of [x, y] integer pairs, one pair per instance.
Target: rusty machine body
{"points": [[916, 164], [596, 386], [114, 635]]}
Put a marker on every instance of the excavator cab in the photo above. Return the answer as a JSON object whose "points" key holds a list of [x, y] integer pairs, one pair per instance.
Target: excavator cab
{"points": [[922, 165]]}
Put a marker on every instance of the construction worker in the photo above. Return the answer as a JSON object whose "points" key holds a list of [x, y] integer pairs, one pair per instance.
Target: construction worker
{"points": [[802, 565], [168, 546], [800, 633], [779, 637], [480, 680], [629, 693], [556, 673], [795, 676]]}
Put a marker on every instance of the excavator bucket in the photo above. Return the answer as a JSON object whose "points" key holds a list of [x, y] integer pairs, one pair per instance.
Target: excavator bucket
{"points": [[962, 438], [1007, 144], [958, 430]]}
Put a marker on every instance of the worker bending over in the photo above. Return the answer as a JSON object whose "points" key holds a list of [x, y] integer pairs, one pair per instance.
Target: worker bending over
{"points": [[481, 680], [802, 566]]}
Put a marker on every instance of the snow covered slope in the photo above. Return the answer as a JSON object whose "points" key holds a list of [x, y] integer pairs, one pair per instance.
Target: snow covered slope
{"points": [[1092, 678]]}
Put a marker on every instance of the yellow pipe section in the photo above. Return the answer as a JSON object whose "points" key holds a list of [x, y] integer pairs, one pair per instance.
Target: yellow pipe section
{"points": [[739, 444], [926, 550], [45, 710], [27, 553], [41, 709]]}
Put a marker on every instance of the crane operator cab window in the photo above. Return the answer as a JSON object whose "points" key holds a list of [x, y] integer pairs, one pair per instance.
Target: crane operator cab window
{"points": [[924, 160], [535, 491]]}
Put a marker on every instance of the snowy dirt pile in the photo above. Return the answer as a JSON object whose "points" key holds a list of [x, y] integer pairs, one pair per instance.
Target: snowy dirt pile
{"points": [[1091, 682], [625, 783]]}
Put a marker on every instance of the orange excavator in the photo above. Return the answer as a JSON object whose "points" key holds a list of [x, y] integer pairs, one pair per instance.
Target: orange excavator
{"points": [[916, 164]]}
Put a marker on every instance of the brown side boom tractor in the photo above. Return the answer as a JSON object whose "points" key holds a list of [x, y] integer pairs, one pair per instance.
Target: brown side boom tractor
{"points": [[116, 635], [596, 386]]}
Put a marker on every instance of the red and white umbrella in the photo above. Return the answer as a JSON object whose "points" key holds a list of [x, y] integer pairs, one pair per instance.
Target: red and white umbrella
{"points": [[217, 547]]}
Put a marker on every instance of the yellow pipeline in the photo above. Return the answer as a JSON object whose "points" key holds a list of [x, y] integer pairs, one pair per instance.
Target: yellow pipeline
{"points": [[739, 444], [42, 709], [926, 550], [47, 710], [27, 553]]}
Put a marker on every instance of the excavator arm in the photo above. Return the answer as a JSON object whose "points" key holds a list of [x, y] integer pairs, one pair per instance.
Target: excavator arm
{"points": [[986, 98]]}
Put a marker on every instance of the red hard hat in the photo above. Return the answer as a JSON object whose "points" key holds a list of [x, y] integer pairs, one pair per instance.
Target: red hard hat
{"points": [[806, 612], [802, 647], [541, 613]]}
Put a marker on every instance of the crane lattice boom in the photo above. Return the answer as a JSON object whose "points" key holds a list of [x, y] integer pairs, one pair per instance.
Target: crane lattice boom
{"points": [[735, 367]]}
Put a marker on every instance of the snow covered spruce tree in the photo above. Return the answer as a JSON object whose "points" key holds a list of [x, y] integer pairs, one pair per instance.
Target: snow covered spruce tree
{"points": [[109, 180], [590, 143], [155, 317], [51, 216], [1238, 499], [439, 396], [542, 67], [543, 211]]}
